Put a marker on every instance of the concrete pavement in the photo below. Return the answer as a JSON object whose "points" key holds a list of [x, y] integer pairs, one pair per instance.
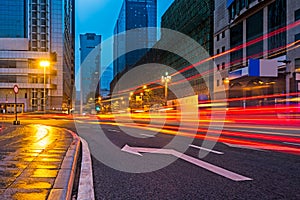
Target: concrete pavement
{"points": [[37, 162]]}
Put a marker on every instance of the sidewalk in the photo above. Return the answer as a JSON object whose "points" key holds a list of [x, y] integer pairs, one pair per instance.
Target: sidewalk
{"points": [[37, 162]]}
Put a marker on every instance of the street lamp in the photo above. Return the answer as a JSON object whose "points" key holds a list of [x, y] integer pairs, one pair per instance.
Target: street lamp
{"points": [[166, 79], [44, 64]]}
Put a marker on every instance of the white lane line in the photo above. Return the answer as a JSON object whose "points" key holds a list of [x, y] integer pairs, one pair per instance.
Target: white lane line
{"points": [[147, 135], [113, 130], [205, 149], [210, 167], [296, 144]]}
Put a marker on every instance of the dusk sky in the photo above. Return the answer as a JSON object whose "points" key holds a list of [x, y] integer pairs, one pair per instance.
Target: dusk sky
{"points": [[99, 16]]}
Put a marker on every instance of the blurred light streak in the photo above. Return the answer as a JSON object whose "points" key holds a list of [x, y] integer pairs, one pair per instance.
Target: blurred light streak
{"points": [[254, 41], [255, 144]]}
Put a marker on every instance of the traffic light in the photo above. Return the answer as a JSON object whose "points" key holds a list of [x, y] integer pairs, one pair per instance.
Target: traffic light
{"points": [[98, 107]]}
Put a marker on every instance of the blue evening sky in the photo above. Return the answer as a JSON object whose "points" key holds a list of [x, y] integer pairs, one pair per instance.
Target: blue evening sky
{"points": [[99, 16]]}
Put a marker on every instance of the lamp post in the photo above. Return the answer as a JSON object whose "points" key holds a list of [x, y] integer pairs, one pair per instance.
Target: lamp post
{"points": [[44, 64], [166, 79]]}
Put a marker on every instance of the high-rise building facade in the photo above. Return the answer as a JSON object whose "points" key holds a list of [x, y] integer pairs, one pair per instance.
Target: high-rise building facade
{"points": [[248, 34], [134, 14], [90, 70], [195, 20], [32, 31]]}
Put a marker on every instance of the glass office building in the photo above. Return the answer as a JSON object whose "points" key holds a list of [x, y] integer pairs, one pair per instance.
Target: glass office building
{"points": [[195, 20], [31, 31], [90, 70], [134, 14], [13, 26]]}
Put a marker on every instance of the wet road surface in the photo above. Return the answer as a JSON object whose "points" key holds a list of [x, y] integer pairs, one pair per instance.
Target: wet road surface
{"points": [[30, 159]]}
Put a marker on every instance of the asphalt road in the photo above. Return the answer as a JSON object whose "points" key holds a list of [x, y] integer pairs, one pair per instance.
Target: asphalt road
{"points": [[274, 174]]}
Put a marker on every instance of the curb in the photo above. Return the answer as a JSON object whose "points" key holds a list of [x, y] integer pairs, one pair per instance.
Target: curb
{"points": [[86, 186], [63, 185]]}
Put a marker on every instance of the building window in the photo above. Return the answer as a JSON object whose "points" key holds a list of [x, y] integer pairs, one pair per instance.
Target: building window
{"points": [[223, 34], [43, 15], [90, 37], [297, 37], [223, 65], [297, 63], [218, 37], [34, 29], [242, 4], [236, 39], [277, 19], [297, 15], [223, 49], [218, 51], [254, 30]]}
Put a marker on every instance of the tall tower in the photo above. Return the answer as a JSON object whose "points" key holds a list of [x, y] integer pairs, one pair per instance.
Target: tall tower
{"points": [[90, 70], [134, 14]]}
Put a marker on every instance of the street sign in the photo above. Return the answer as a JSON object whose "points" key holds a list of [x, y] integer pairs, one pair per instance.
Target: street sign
{"points": [[16, 89]]}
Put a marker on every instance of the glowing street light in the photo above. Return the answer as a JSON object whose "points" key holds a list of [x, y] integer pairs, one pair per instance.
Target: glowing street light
{"points": [[166, 79], [226, 80], [44, 64]]}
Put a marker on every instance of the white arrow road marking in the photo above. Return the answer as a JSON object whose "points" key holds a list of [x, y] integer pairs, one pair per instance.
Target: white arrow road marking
{"points": [[147, 135], [112, 130], [205, 149], [296, 144], [215, 169]]}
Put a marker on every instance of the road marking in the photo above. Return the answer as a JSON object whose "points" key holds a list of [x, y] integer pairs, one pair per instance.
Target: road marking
{"points": [[213, 168], [296, 144], [243, 146], [112, 130], [205, 149], [147, 135]]}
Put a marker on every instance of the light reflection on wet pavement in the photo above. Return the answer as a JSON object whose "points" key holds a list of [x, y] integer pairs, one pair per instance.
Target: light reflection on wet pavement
{"points": [[30, 159]]}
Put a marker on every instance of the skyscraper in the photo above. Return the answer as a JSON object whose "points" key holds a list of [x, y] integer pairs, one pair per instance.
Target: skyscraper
{"points": [[90, 70], [31, 31], [134, 14]]}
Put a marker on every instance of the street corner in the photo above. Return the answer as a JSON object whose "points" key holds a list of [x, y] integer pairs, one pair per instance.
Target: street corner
{"points": [[37, 162]]}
